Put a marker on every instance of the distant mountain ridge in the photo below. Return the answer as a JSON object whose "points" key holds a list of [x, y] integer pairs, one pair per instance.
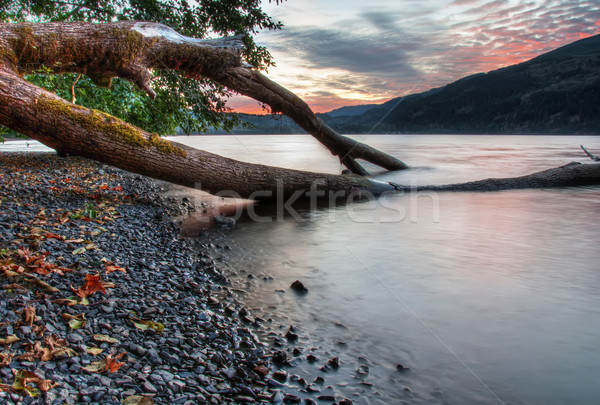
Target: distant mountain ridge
{"points": [[555, 93], [351, 110]]}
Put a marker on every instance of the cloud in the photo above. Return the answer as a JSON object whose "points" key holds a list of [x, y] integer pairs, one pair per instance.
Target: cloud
{"points": [[385, 54], [381, 20], [463, 2], [389, 49]]}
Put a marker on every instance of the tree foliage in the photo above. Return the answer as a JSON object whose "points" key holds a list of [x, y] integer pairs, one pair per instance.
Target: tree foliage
{"points": [[188, 104]]}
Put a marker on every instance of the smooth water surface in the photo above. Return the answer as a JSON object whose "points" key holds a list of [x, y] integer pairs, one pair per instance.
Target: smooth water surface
{"points": [[487, 297]]}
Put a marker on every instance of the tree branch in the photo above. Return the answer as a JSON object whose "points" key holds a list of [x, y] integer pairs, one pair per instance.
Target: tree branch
{"points": [[130, 49]]}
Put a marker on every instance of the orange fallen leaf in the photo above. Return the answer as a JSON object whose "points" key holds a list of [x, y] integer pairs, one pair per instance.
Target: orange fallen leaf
{"points": [[42, 284], [9, 340], [110, 268], [14, 286], [29, 315], [54, 341], [25, 377], [65, 301], [6, 358]]}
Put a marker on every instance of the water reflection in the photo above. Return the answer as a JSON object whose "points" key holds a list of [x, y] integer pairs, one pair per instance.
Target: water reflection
{"points": [[497, 299], [494, 300]]}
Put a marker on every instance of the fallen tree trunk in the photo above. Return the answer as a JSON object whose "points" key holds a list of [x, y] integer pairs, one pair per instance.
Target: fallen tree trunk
{"points": [[128, 50], [79, 131], [570, 175]]}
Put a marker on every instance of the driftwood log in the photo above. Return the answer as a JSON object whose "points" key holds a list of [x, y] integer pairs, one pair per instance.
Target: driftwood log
{"points": [[129, 50]]}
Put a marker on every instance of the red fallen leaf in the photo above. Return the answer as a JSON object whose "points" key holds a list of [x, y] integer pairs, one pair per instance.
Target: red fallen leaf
{"points": [[112, 364], [50, 235], [118, 188], [41, 271], [104, 186], [92, 284], [109, 364]]}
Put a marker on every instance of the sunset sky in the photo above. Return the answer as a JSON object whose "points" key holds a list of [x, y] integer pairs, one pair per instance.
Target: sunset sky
{"points": [[336, 53]]}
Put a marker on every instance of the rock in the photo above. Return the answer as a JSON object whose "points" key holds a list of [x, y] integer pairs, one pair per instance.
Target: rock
{"points": [[223, 221], [274, 383], [137, 350], [261, 370], [291, 336], [277, 397], [229, 372], [280, 376], [292, 399], [298, 287], [334, 362], [280, 357], [148, 387], [204, 355], [243, 399], [362, 370]]}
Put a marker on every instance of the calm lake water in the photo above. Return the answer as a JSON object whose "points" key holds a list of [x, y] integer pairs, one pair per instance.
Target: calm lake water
{"points": [[488, 298]]}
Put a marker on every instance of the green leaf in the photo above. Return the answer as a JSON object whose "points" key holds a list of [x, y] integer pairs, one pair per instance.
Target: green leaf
{"points": [[79, 251], [76, 323], [146, 325], [182, 103]]}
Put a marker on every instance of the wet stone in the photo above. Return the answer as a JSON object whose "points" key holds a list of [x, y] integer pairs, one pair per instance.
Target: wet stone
{"points": [[298, 287], [280, 376], [149, 387], [292, 399]]}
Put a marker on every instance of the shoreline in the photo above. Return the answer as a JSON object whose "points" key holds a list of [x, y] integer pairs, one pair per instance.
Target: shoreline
{"points": [[165, 327]]}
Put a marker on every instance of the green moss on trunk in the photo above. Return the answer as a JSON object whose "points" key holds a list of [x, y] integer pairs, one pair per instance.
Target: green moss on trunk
{"points": [[95, 121]]}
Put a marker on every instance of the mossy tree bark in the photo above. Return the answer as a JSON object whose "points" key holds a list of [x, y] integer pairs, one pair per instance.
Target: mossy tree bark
{"points": [[129, 50]]}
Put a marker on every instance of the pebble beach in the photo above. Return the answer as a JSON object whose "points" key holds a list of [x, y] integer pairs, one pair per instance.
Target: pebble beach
{"points": [[102, 300]]}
